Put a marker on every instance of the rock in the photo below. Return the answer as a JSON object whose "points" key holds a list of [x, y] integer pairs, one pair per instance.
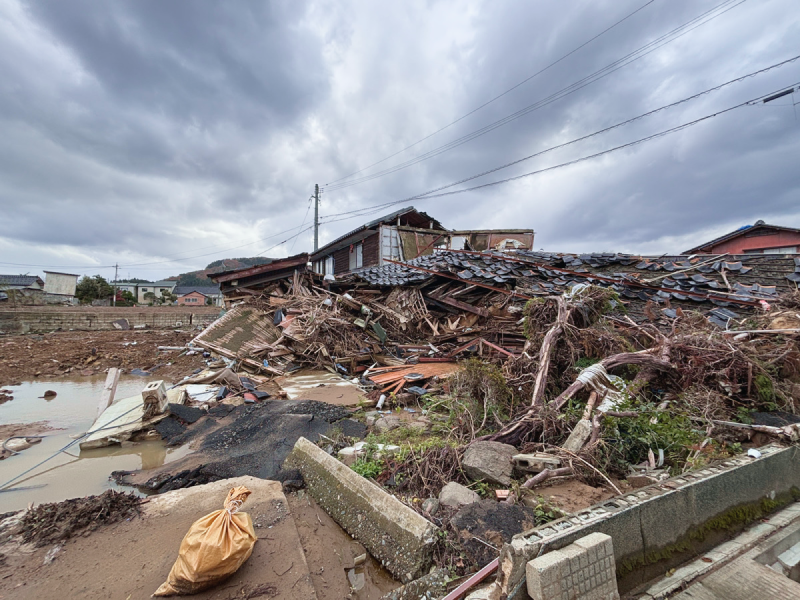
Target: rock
{"points": [[456, 495], [388, 423], [371, 417], [489, 461], [430, 506]]}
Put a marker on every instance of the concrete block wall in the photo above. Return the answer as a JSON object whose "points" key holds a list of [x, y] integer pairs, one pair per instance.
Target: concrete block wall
{"points": [[20, 321], [650, 525], [584, 570]]}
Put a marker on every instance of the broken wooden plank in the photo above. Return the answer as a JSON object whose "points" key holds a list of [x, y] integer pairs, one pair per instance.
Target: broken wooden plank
{"points": [[109, 389], [460, 305]]}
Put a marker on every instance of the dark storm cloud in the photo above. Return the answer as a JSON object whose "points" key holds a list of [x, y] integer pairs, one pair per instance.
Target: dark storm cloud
{"points": [[141, 131]]}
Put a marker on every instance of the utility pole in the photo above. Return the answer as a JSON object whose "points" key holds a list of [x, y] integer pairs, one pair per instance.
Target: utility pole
{"points": [[316, 217], [114, 300]]}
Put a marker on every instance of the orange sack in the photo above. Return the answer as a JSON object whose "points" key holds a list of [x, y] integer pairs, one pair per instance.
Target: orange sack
{"points": [[213, 549]]}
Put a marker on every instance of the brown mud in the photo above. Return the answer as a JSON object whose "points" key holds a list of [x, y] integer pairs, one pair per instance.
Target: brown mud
{"points": [[62, 353]]}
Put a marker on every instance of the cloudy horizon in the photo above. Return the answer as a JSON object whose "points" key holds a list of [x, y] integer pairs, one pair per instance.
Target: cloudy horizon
{"points": [[164, 136]]}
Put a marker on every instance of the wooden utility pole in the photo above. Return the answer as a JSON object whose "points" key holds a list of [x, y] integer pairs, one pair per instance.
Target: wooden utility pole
{"points": [[316, 217]]}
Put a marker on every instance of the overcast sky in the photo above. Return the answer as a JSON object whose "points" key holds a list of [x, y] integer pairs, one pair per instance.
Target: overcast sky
{"points": [[140, 132]]}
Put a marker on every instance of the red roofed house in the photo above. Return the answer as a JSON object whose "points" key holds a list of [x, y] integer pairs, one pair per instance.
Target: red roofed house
{"points": [[759, 238]]}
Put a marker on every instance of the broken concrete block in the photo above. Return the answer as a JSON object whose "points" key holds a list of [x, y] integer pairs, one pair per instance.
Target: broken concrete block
{"points": [[489, 461], [579, 436], [639, 479], [352, 453], [154, 396], [456, 495], [536, 462], [393, 533], [432, 585]]}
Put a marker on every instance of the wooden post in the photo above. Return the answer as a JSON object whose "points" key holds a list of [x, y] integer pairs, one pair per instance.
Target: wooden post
{"points": [[109, 389]]}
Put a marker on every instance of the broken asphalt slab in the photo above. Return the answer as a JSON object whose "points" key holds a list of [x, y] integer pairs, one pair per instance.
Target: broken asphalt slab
{"points": [[130, 559], [249, 439]]}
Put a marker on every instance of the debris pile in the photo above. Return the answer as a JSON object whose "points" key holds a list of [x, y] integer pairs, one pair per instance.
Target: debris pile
{"points": [[55, 522]]}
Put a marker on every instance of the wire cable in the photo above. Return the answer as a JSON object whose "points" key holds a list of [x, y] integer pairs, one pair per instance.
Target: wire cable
{"points": [[571, 162], [509, 90], [308, 210], [631, 57], [360, 212]]}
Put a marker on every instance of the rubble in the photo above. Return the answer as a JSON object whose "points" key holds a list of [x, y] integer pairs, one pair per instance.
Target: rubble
{"points": [[475, 381], [489, 461], [455, 495]]}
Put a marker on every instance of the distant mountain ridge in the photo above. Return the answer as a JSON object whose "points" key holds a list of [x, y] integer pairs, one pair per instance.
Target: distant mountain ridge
{"points": [[200, 278]]}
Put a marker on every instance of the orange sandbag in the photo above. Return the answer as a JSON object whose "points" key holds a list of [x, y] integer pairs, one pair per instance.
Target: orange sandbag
{"points": [[213, 549]]}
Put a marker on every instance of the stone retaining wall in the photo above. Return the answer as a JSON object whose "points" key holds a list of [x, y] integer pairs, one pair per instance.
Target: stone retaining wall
{"points": [[43, 320]]}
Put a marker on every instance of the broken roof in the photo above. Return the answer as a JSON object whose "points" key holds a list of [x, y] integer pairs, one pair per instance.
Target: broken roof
{"points": [[276, 265], [424, 218], [746, 229], [751, 277]]}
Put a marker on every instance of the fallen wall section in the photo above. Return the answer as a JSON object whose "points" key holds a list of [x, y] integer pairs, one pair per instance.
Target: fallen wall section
{"points": [[393, 533]]}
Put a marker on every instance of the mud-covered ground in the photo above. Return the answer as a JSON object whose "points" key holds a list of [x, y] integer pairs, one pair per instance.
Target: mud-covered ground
{"points": [[57, 354]]}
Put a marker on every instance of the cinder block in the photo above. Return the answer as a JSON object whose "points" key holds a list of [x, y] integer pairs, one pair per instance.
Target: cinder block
{"points": [[545, 575]]}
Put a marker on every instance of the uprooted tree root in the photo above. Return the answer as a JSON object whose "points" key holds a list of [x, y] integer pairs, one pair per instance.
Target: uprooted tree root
{"points": [[57, 521]]}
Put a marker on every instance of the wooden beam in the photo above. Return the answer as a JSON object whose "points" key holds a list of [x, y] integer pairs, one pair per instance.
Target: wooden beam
{"points": [[461, 305]]}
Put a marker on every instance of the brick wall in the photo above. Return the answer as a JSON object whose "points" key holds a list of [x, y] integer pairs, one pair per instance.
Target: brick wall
{"points": [[44, 319]]}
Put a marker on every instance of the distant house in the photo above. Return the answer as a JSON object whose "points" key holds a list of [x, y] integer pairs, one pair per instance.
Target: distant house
{"points": [[21, 282], [60, 284], [197, 295], [759, 238], [242, 283], [158, 288], [406, 234]]}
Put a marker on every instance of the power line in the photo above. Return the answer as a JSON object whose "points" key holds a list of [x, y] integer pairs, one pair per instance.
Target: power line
{"points": [[487, 103], [310, 200], [631, 57], [599, 132], [428, 196]]}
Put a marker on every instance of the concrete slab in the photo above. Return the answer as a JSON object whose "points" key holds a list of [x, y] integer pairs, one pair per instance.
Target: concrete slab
{"points": [[321, 385], [131, 559], [393, 533]]}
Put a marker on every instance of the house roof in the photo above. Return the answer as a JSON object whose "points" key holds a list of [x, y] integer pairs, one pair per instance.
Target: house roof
{"points": [[20, 280], [741, 231], [182, 290], [164, 283], [60, 273], [424, 218], [276, 265]]}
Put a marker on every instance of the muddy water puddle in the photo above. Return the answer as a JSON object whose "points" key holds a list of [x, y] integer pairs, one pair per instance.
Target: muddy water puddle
{"points": [[76, 472]]}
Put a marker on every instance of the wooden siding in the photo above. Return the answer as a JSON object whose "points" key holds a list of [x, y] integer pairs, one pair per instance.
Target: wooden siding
{"points": [[341, 260], [371, 255]]}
